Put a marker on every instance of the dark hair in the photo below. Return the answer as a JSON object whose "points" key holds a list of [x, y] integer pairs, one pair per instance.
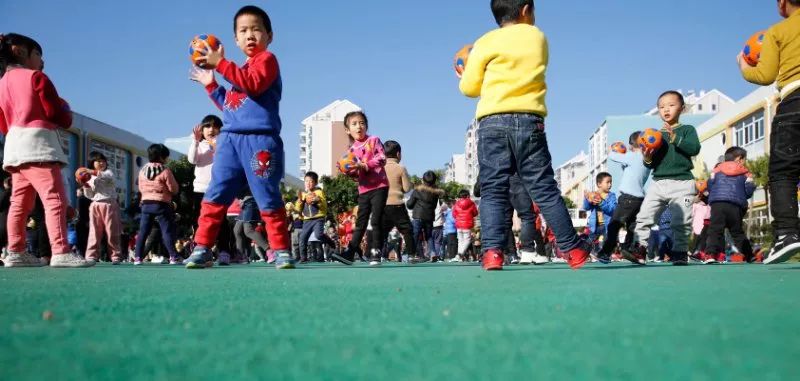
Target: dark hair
{"points": [[212, 120], [157, 153], [429, 178], [463, 193], [313, 176], [634, 138], [353, 114], [675, 93], [254, 11], [96, 156], [734, 153], [601, 176], [7, 56], [508, 10], [391, 148]]}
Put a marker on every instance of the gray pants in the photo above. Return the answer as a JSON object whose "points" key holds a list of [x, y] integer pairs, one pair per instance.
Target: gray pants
{"points": [[678, 196], [243, 230]]}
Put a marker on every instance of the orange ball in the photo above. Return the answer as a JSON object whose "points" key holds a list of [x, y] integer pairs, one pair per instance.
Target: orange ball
{"points": [[752, 48], [347, 163], [701, 185], [619, 147], [198, 49], [594, 197], [650, 139], [82, 175], [460, 60]]}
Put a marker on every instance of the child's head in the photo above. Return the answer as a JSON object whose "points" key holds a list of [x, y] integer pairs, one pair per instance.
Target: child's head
{"points": [[603, 181], [252, 30], [510, 12], [16, 49], [157, 153], [392, 149], [429, 178], [463, 193], [311, 180], [356, 125], [787, 7], [98, 161], [633, 141], [670, 106], [736, 154], [211, 125]]}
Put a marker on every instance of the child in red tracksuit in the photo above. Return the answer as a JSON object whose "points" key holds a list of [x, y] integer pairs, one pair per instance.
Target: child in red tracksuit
{"points": [[31, 112], [464, 212], [249, 150]]}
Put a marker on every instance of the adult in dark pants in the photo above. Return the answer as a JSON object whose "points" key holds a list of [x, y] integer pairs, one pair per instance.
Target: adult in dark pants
{"points": [[82, 225], [5, 203], [423, 204]]}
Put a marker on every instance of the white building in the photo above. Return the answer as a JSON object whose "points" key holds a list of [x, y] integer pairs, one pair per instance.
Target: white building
{"points": [[570, 177], [471, 154], [704, 102], [323, 139], [456, 169]]}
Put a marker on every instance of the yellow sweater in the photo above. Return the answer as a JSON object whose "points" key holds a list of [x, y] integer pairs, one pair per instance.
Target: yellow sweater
{"points": [[506, 70], [780, 55]]}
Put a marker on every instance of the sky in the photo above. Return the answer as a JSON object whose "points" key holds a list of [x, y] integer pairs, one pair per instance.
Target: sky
{"points": [[126, 63]]}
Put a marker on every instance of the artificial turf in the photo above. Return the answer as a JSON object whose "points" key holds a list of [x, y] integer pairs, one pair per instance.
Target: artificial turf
{"points": [[428, 321]]}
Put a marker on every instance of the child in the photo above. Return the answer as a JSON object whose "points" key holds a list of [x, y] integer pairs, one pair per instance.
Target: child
{"points": [[701, 219], [373, 187], [201, 154], [314, 208], [295, 221], [158, 186], [673, 184], [437, 235], [250, 150], [423, 204], [464, 213], [600, 212], [631, 195], [450, 233], [780, 61], [31, 112], [104, 214], [506, 69], [246, 227], [729, 188], [395, 214]]}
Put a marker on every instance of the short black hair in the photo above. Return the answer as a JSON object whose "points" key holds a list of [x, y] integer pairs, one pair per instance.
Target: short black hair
{"points": [[313, 176], [735, 152], [601, 176], [508, 10], [675, 93], [96, 156], [429, 178], [464, 193], [254, 11], [157, 153], [794, 2], [391, 149], [7, 56], [634, 138], [212, 120]]}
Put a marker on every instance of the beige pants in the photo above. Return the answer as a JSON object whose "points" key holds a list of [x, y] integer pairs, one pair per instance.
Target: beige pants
{"points": [[678, 196]]}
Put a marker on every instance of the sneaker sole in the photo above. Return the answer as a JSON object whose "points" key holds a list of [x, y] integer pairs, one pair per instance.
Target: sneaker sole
{"points": [[6, 264], [680, 263], [630, 258], [341, 259], [783, 255], [374, 264], [192, 265], [78, 266], [286, 266]]}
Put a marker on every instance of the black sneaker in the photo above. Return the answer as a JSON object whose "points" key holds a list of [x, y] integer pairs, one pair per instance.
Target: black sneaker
{"points": [[785, 248], [679, 258], [375, 258], [345, 257], [636, 255]]}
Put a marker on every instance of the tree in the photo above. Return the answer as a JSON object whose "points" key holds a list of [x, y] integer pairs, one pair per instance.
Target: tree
{"points": [[183, 171], [289, 194], [569, 203], [341, 192], [451, 190], [760, 169]]}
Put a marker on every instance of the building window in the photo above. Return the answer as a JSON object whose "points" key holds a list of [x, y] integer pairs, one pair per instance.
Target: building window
{"points": [[749, 130], [699, 107], [713, 107]]}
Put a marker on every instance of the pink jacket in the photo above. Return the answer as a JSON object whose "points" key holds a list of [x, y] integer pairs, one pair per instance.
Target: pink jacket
{"points": [[370, 152], [31, 113], [700, 212], [157, 183]]}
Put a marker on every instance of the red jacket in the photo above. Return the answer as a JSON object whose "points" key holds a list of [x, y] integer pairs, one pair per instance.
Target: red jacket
{"points": [[464, 212]]}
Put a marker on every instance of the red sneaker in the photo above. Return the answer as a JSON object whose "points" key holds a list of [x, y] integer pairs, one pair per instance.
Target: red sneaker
{"points": [[721, 258], [577, 257], [492, 260]]}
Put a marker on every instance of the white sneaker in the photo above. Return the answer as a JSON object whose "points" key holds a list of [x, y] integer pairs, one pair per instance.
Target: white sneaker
{"points": [[70, 260], [540, 259], [21, 260], [531, 257], [457, 258]]}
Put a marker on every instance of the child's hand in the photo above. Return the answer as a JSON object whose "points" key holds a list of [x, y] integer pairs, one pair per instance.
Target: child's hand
{"points": [[205, 77], [743, 65], [197, 133], [668, 127], [212, 57]]}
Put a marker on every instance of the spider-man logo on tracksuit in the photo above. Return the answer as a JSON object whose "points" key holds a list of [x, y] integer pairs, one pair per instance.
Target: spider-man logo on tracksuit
{"points": [[249, 148]]}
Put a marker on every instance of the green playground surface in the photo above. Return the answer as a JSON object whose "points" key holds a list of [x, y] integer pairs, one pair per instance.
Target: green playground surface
{"points": [[397, 322]]}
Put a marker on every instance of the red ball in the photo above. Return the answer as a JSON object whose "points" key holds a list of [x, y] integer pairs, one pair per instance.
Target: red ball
{"points": [[650, 139], [619, 147], [752, 48], [198, 49], [82, 175], [460, 60]]}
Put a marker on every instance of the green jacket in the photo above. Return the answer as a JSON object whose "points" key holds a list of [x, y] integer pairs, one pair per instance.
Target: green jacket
{"points": [[674, 160]]}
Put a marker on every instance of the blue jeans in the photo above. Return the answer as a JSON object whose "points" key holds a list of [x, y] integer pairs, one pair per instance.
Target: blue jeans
{"points": [[423, 233], [162, 213], [510, 144]]}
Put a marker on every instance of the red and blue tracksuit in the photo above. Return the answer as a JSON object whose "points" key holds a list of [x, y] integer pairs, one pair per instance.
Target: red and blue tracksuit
{"points": [[249, 148]]}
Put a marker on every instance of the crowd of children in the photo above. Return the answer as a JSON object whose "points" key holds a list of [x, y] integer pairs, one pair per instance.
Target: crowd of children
{"points": [[239, 162]]}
